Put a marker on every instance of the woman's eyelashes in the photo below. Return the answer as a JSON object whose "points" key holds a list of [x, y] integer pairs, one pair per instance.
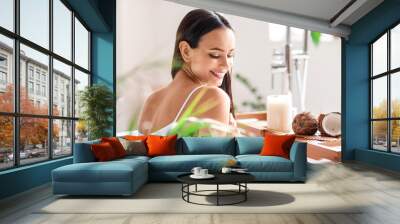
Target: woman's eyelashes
{"points": [[216, 56]]}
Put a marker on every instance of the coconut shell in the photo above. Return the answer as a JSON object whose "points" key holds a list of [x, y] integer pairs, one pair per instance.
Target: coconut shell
{"points": [[305, 124], [321, 128]]}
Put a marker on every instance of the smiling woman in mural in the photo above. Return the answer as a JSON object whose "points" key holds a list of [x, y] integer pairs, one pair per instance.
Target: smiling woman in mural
{"points": [[201, 66]]}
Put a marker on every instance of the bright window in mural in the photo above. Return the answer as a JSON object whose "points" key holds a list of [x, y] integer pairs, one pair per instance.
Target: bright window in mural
{"points": [[44, 111], [385, 91], [272, 77]]}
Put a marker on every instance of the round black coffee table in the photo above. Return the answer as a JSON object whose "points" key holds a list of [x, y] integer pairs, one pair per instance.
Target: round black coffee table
{"points": [[238, 179]]}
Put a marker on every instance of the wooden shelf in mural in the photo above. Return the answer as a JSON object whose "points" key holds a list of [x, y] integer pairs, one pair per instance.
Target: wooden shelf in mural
{"points": [[318, 147]]}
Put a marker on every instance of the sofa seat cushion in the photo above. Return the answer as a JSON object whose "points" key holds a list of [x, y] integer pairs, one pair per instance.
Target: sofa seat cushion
{"points": [[112, 171], [133, 158], [185, 163], [257, 163]]}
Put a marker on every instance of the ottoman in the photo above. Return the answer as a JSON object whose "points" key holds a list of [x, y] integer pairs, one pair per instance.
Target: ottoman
{"points": [[118, 177]]}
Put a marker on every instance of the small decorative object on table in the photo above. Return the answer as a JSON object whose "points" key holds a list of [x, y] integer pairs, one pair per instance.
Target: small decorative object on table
{"points": [[330, 124], [231, 163], [279, 112], [305, 124], [232, 166], [226, 170], [200, 173]]}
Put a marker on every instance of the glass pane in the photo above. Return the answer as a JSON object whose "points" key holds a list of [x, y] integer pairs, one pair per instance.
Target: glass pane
{"points": [[34, 97], [7, 14], [62, 141], [33, 139], [81, 81], [81, 131], [6, 142], [395, 94], [62, 29], [6, 74], [379, 55], [395, 47], [62, 89], [395, 136], [379, 98], [35, 21], [81, 45], [379, 135]]}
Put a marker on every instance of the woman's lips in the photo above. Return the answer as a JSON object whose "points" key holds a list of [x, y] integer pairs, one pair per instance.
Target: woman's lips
{"points": [[218, 75]]}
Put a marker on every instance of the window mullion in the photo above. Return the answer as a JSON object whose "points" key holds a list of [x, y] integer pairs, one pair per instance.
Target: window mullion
{"points": [[73, 82], [16, 70], [50, 81], [389, 106], [371, 137]]}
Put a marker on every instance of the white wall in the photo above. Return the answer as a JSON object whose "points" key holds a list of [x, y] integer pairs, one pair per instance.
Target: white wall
{"points": [[145, 39]]}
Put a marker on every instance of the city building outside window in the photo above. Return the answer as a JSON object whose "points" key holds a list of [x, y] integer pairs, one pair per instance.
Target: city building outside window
{"points": [[38, 89], [3, 60], [3, 78], [30, 87], [37, 75], [30, 72], [44, 77]]}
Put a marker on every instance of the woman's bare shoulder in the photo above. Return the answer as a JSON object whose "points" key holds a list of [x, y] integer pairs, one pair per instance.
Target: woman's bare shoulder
{"points": [[149, 107], [214, 93], [156, 95], [217, 102], [151, 103]]}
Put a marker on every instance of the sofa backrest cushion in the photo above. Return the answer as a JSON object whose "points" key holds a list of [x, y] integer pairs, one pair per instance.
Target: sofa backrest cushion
{"points": [[249, 145], [206, 145], [83, 152]]}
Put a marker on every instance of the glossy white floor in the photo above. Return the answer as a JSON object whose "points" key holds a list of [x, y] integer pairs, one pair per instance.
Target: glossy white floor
{"points": [[378, 188]]}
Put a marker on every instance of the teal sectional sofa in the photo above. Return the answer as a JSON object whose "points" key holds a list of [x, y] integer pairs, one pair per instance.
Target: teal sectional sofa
{"points": [[125, 176]]}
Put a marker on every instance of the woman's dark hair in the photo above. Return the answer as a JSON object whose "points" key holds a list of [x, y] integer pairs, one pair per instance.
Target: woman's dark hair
{"points": [[193, 26]]}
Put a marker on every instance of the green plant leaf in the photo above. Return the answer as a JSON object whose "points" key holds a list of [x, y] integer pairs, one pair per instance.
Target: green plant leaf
{"points": [[315, 37], [97, 103], [191, 129], [187, 113], [183, 127]]}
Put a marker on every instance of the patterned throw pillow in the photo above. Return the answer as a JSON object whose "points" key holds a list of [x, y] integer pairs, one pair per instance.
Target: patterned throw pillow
{"points": [[134, 147]]}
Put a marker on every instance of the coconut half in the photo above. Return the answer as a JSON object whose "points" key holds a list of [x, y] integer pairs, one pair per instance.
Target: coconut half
{"points": [[330, 124]]}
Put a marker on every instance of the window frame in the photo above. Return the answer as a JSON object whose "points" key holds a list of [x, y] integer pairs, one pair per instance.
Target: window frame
{"points": [[388, 74], [16, 114]]}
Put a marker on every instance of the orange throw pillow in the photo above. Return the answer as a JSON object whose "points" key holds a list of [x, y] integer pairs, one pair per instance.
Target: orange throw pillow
{"points": [[135, 138], [103, 152], [116, 145], [161, 145], [277, 145]]}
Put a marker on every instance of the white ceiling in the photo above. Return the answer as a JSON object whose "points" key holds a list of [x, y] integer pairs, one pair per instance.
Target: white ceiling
{"points": [[316, 15]]}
